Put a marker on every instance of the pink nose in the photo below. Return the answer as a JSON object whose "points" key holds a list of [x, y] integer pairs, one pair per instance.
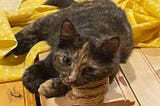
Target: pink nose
{"points": [[71, 80]]}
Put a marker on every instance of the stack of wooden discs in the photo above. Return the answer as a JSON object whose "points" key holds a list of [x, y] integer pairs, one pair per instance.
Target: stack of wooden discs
{"points": [[88, 95]]}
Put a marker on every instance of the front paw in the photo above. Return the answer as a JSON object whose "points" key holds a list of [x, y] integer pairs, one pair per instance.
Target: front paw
{"points": [[52, 88]]}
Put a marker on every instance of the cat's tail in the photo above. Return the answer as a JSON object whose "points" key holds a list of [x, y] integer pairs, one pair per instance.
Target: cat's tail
{"points": [[60, 3]]}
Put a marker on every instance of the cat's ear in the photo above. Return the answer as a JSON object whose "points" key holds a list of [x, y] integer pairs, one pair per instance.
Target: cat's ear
{"points": [[109, 47], [67, 31]]}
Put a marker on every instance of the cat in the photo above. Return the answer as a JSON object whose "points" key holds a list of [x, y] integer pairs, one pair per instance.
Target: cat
{"points": [[88, 42]]}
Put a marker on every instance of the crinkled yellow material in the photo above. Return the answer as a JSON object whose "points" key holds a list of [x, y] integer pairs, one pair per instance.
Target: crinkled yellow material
{"points": [[144, 16], [12, 67]]}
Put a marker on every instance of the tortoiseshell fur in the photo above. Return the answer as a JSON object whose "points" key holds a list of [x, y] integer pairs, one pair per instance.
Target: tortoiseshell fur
{"points": [[88, 41]]}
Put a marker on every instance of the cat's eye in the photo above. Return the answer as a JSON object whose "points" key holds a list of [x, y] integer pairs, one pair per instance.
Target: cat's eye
{"points": [[88, 70], [66, 60]]}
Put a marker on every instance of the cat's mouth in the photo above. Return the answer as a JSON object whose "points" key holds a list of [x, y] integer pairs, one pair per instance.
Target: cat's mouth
{"points": [[79, 83], [65, 80]]}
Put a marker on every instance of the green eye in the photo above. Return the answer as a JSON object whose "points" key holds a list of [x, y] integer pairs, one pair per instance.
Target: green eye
{"points": [[88, 70], [66, 60]]}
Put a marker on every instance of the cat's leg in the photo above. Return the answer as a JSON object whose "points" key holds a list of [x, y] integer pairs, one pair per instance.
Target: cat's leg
{"points": [[30, 35], [38, 73], [60, 3], [53, 87], [25, 40], [43, 77]]}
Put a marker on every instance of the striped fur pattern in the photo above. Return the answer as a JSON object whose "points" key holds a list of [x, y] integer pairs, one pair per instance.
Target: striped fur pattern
{"points": [[88, 42]]}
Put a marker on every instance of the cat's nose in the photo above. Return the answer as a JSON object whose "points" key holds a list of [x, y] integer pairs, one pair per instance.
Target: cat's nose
{"points": [[71, 79]]}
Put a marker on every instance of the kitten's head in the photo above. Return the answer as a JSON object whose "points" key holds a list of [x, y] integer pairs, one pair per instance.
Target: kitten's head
{"points": [[81, 60]]}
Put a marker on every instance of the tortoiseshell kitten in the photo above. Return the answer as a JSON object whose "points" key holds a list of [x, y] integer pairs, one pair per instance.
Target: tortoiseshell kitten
{"points": [[88, 41]]}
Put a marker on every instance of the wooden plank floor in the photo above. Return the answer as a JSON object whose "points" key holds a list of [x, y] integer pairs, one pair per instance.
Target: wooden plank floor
{"points": [[14, 94], [141, 72], [137, 84]]}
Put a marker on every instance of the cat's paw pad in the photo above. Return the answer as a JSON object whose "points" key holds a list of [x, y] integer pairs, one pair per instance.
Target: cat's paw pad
{"points": [[48, 89]]}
